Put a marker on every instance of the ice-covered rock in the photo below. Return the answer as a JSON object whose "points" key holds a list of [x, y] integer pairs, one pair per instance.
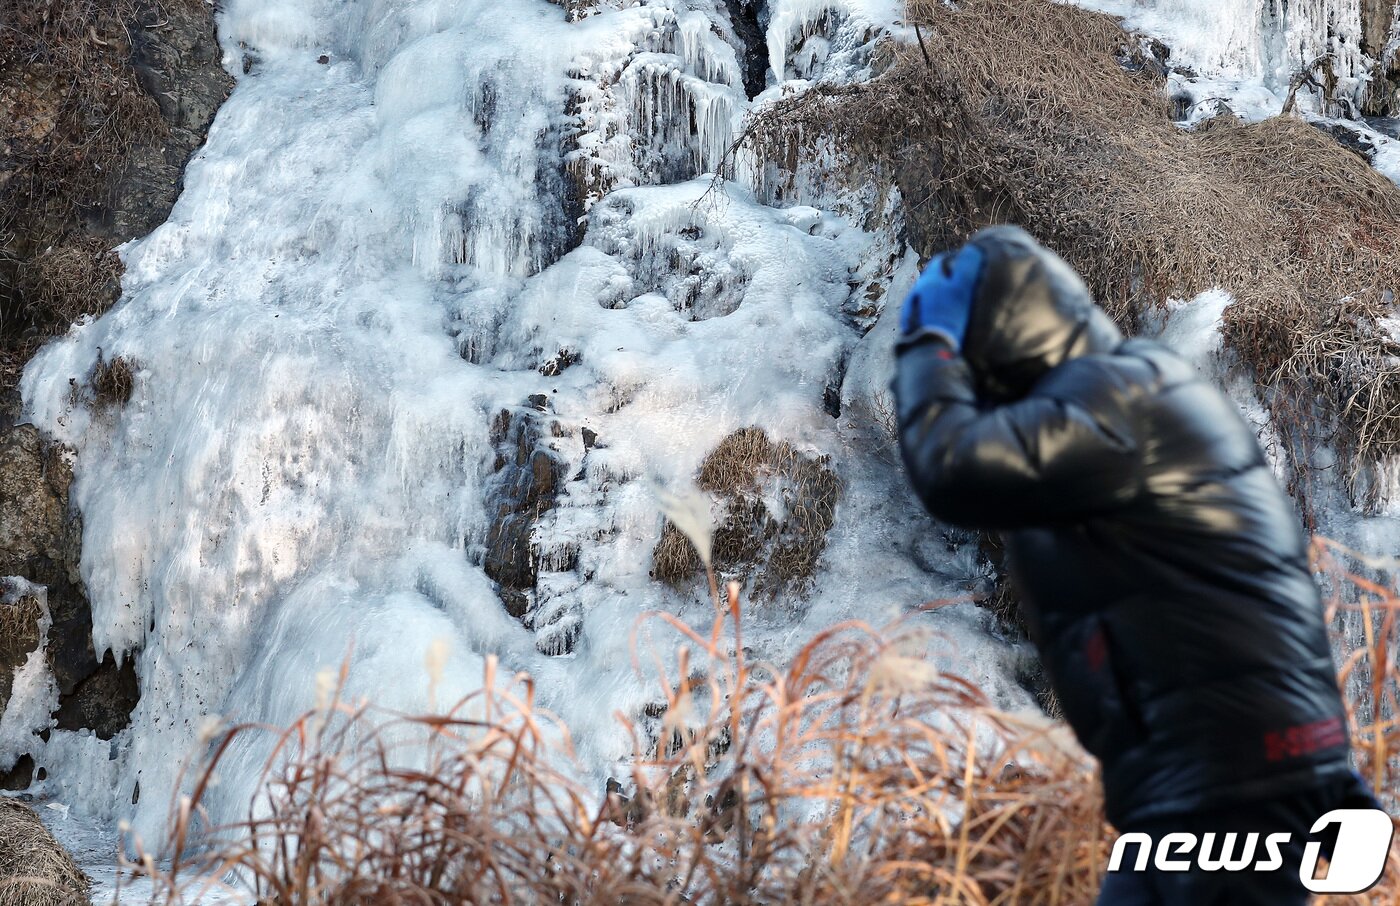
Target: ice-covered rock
{"points": [[1252, 53], [28, 694], [40, 535]]}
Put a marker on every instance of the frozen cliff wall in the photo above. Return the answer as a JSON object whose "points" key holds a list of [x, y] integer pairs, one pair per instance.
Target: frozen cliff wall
{"points": [[1267, 45], [103, 104], [448, 289]]}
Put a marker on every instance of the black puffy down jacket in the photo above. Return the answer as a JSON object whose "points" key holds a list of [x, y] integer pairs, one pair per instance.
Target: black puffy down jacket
{"points": [[1163, 570]]}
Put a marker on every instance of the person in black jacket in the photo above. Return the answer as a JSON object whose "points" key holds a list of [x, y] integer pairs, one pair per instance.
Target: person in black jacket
{"points": [[1163, 571]]}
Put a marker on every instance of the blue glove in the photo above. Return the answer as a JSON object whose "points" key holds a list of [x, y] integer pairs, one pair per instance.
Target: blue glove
{"points": [[941, 300]]}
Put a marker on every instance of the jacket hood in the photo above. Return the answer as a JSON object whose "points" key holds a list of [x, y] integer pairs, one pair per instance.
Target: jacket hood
{"points": [[1032, 313]]}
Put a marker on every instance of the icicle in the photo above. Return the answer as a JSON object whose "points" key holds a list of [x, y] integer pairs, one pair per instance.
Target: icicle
{"points": [[705, 55], [1254, 39], [791, 22], [33, 691]]}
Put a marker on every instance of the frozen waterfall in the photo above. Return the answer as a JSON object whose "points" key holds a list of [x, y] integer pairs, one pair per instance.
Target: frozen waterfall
{"points": [[1248, 52], [433, 245], [380, 250]]}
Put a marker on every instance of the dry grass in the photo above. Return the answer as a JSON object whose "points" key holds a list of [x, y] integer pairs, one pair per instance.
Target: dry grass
{"points": [[112, 381], [836, 781], [20, 620], [73, 109], [1364, 602], [108, 385], [1022, 111], [751, 475], [66, 281], [857, 774], [34, 869]]}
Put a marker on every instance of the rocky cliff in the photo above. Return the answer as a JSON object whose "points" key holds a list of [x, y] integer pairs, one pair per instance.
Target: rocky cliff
{"points": [[107, 102]]}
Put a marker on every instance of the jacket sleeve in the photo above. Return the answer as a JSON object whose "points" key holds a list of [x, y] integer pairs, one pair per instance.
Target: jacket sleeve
{"points": [[1065, 452]]}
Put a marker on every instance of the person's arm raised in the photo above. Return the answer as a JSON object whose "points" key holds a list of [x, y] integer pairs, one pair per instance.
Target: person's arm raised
{"points": [[1064, 453]]}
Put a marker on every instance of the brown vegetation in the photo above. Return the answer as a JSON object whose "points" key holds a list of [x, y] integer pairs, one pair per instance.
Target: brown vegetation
{"points": [[34, 869], [857, 774], [102, 101], [67, 86], [112, 381], [881, 751], [21, 618], [1046, 115], [778, 551]]}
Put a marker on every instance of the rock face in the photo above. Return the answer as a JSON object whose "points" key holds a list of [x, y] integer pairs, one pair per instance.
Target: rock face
{"points": [[40, 541], [1377, 16], [176, 60], [744, 15], [162, 66], [1382, 96], [525, 486], [107, 101]]}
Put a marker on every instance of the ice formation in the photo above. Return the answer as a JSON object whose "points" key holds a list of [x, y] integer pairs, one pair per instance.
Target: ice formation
{"points": [[469, 209], [466, 209], [1246, 53], [33, 691], [1250, 39]]}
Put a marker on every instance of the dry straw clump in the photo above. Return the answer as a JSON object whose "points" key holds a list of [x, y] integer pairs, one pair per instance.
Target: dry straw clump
{"points": [[19, 623], [64, 282], [34, 869], [112, 381], [857, 774], [777, 506], [1362, 610], [1046, 115]]}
